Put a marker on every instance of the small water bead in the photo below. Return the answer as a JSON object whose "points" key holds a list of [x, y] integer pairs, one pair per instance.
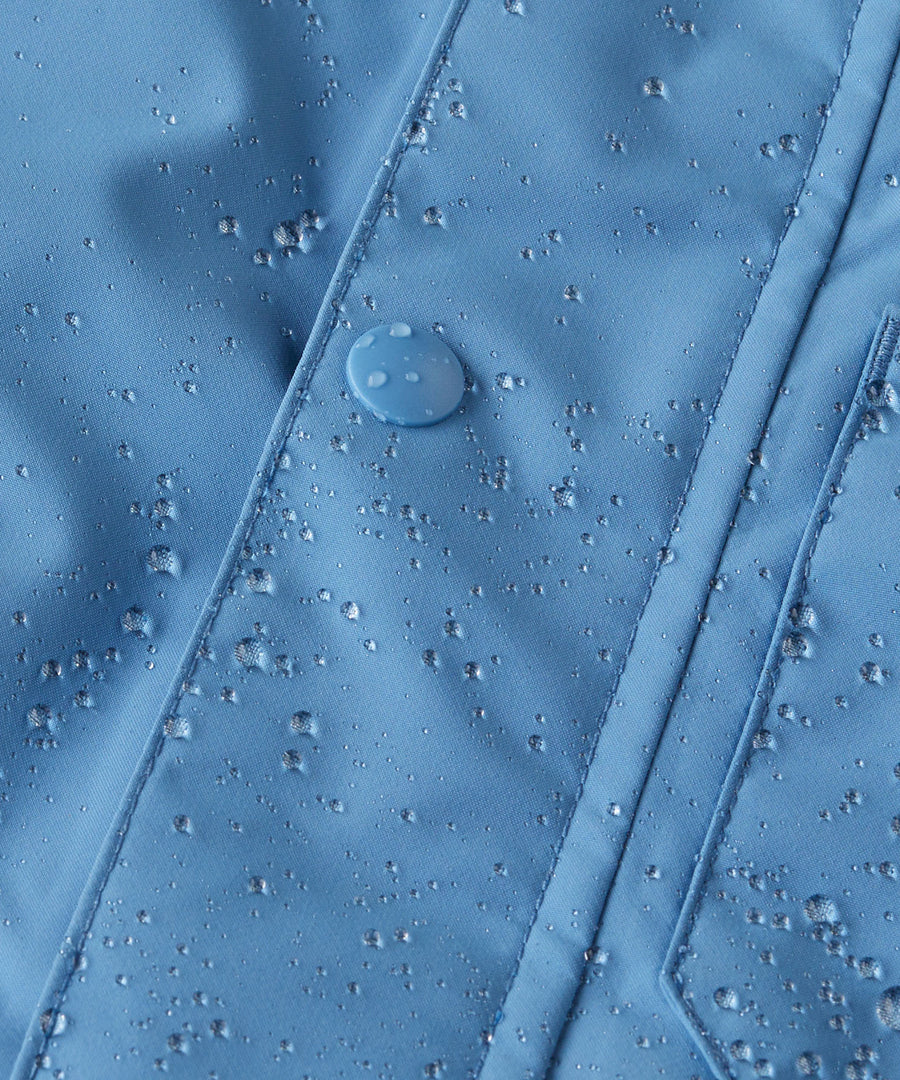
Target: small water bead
{"points": [[258, 885], [292, 759], [654, 86], [869, 968], [304, 723], [259, 580], [53, 1023], [726, 998], [228, 225], [802, 616], [882, 394], [795, 645], [136, 621], [161, 559], [405, 376], [416, 135], [871, 672], [820, 909], [177, 727], [740, 1051], [350, 610], [288, 235], [182, 823], [433, 215], [250, 653], [888, 1008], [40, 716], [809, 1064]]}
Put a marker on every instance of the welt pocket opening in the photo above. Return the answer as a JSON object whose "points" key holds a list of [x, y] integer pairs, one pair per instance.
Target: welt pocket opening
{"points": [[779, 962]]}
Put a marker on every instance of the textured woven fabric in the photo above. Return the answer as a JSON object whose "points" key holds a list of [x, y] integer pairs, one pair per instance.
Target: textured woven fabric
{"points": [[555, 738]]}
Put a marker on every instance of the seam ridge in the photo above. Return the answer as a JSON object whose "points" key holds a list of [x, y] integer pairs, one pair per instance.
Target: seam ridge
{"points": [[885, 342], [673, 528], [352, 256]]}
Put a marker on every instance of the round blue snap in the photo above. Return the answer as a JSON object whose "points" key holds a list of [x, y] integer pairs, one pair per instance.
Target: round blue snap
{"points": [[405, 376]]}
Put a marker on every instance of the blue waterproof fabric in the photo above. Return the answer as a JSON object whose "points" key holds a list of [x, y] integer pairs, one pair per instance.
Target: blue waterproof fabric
{"points": [[556, 738]]}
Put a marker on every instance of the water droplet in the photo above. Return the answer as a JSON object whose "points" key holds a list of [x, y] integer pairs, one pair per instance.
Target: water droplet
{"points": [[250, 653], [288, 235], [259, 580], [40, 716], [820, 909], [809, 1064], [795, 645], [136, 621], [888, 1008], [161, 559]]}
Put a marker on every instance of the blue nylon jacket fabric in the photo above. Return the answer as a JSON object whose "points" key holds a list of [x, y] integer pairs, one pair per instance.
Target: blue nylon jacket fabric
{"points": [[556, 739]]}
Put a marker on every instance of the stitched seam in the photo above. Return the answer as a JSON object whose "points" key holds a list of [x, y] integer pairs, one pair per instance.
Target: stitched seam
{"points": [[888, 340], [672, 530], [585, 975], [359, 248]]}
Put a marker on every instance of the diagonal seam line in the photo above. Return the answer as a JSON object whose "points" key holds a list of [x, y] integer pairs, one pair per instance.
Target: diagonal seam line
{"points": [[690, 650], [610, 697], [353, 255], [887, 337]]}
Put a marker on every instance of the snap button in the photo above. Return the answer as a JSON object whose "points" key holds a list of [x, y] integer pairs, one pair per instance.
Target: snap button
{"points": [[405, 376]]}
